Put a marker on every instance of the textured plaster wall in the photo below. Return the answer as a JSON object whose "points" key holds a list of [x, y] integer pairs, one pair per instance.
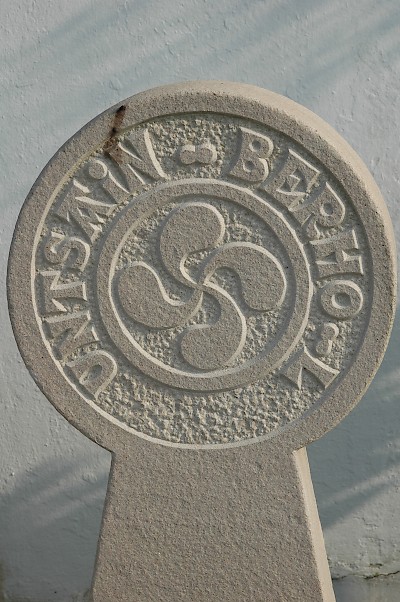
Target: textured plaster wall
{"points": [[64, 62]]}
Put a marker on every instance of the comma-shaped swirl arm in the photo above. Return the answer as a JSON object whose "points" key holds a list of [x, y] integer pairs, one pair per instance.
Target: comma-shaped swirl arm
{"points": [[145, 300], [262, 278]]}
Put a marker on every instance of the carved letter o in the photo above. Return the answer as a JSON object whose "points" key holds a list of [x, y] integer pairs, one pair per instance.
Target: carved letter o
{"points": [[342, 299]]}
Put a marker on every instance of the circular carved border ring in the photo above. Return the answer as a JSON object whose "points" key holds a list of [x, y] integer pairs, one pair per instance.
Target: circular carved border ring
{"points": [[259, 367]]}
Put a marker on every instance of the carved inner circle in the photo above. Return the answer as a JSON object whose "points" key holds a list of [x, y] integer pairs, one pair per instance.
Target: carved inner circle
{"points": [[190, 244]]}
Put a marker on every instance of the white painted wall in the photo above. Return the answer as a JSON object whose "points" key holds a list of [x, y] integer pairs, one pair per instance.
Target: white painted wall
{"points": [[64, 62]]}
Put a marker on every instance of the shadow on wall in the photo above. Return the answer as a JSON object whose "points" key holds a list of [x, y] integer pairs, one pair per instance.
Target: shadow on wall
{"points": [[357, 589], [49, 526], [353, 464]]}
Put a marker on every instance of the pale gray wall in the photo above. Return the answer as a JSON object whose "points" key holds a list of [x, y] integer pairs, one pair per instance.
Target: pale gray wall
{"points": [[64, 62]]}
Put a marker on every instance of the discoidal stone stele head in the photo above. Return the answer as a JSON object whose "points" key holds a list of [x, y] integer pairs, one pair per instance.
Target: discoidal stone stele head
{"points": [[206, 264]]}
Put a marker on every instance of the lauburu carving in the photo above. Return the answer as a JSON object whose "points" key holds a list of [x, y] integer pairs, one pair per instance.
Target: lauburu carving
{"points": [[191, 228]]}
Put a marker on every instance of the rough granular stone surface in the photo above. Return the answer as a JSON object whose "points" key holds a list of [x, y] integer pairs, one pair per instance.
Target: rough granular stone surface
{"points": [[202, 281]]}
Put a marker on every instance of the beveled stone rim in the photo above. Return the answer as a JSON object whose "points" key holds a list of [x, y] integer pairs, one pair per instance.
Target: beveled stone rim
{"points": [[240, 100]]}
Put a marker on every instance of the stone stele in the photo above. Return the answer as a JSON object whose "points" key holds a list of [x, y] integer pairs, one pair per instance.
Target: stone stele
{"points": [[202, 281]]}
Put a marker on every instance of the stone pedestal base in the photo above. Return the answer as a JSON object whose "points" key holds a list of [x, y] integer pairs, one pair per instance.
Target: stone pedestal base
{"points": [[211, 525]]}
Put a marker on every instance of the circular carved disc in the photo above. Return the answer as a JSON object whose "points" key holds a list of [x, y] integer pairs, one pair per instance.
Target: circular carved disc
{"points": [[205, 264]]}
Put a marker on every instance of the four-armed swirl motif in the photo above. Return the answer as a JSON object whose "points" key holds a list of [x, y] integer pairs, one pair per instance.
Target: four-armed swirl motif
{"points": [[190, 228]]}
